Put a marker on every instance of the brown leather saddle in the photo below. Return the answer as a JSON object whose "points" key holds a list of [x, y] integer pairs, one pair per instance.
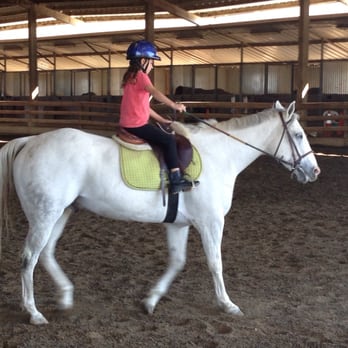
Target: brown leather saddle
{"points": [[184, 148]]}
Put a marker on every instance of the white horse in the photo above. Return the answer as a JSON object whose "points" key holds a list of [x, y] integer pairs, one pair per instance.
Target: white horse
{"points": [[55, 171]]}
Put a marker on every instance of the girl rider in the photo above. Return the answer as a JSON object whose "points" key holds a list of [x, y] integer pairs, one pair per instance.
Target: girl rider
{"points": [[136, 111]]}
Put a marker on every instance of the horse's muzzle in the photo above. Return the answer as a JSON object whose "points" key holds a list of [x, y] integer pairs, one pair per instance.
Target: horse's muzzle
{"points": [[303, 177]]}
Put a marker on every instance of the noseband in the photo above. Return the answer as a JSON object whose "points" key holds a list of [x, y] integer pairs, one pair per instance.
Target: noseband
{"points": [[296, 156]]}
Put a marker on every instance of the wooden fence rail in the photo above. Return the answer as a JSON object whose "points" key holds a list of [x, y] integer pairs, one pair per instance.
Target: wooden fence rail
{"points": [[19, 118]]}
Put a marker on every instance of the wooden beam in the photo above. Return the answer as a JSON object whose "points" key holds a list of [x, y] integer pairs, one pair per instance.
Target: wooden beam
{"points": [[150, 21], [57, 15], [33, 75], [44, 10], [96, 52], [175, 10], [302, 78]]}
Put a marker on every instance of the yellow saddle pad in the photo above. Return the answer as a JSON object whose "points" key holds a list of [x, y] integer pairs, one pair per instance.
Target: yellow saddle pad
{"points": [[141, 170]]}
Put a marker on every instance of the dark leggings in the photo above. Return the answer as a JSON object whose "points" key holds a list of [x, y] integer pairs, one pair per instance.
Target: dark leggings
{"points": [[158, 137]]}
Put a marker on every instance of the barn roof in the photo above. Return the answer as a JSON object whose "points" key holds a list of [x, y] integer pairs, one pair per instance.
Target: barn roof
{"points": [[185, 32]]}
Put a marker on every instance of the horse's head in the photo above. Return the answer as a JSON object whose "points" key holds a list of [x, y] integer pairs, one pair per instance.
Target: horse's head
{"points": [[294, 150]]}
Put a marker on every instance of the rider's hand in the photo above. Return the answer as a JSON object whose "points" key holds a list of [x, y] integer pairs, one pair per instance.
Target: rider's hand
{"points": [[180, 107]]}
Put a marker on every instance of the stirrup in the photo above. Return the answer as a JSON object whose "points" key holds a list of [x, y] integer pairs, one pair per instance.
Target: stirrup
{"points": [[184, 186]]}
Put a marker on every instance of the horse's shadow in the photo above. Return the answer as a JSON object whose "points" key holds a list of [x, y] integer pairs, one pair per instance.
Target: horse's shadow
{"points": [[11, 314]]}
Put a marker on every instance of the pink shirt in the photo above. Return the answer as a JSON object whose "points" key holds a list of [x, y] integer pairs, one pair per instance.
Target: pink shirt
{"points": [[135, 105]]}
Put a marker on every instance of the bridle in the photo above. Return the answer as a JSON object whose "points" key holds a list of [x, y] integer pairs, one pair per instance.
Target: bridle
{"points": [[295, 164], [295, 153]]}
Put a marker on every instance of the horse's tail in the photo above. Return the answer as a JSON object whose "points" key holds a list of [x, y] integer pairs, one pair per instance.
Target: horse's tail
{"points": [[8, 154]]}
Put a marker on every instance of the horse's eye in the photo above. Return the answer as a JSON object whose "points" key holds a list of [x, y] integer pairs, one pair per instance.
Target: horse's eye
{"points": [[299, 135]]}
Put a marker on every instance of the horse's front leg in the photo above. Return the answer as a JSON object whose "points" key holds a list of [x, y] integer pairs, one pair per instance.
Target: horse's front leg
{"points": [[211, 235], [177, 244]]}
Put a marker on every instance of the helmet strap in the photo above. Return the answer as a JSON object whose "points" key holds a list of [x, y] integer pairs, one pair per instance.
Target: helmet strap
{"points": [[136, 62], [145, 65]]}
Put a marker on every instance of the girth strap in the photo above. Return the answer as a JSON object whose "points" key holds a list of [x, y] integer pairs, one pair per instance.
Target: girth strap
{"points": [[172, 207]]}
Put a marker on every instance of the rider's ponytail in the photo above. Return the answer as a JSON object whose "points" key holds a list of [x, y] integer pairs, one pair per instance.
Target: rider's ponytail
{"points": [[131, 74]]}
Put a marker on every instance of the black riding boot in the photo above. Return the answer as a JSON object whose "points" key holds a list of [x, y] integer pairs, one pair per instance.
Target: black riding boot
{"points": [[179, 183]]}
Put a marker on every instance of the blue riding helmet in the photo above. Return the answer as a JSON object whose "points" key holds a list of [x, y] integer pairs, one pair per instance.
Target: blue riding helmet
{"points": [[142, 49]]}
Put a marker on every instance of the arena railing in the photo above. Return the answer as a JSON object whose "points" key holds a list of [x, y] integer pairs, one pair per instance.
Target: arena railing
{"points": [[326, 123]]}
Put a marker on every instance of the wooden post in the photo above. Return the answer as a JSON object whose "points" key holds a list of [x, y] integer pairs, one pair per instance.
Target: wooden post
{"points": [[3, 82], [33, 75], [241, 68], [108, 82], [302, 78], [171, 74], [149, 27], [149, 21]]}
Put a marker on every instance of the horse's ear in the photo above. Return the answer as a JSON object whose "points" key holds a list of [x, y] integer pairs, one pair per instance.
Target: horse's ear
{"points": [[291, 109], [278, 106]]}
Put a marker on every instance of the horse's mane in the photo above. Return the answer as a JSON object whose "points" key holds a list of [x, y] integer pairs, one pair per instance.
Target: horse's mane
{"points": [[234, 123], [249, 120]]}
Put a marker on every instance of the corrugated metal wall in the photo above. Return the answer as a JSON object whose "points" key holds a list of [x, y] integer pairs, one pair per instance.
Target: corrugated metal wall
{"points": [[279, 79], [335, 77], [257, 79], [228, 78], [182, 76]]}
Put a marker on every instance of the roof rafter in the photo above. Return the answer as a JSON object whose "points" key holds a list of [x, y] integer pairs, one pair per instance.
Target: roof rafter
{"points": [[175, 10], [57, 15], [44, 10]]}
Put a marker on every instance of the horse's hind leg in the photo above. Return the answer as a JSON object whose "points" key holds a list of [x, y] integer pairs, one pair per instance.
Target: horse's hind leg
{"points": [[177, 243], [64, 286], [36, 240]]}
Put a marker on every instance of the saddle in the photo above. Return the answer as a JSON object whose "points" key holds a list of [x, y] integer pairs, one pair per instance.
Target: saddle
{"points": [[188, 157], [184, 147]]}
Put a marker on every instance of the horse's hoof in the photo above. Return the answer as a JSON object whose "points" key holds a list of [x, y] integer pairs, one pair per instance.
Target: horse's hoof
{"points": [[65, 299], [65, 302], [238, 313], [38, 319], [234, 310], [65, 306], [148, 307]]}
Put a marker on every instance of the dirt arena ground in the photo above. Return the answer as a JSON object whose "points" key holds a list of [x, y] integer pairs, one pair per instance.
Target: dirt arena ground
{"points": [[285, 264]]}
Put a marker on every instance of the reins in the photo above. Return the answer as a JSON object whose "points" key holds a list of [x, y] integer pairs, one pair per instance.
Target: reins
{"points": [[226, 133], [294, 150]]}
